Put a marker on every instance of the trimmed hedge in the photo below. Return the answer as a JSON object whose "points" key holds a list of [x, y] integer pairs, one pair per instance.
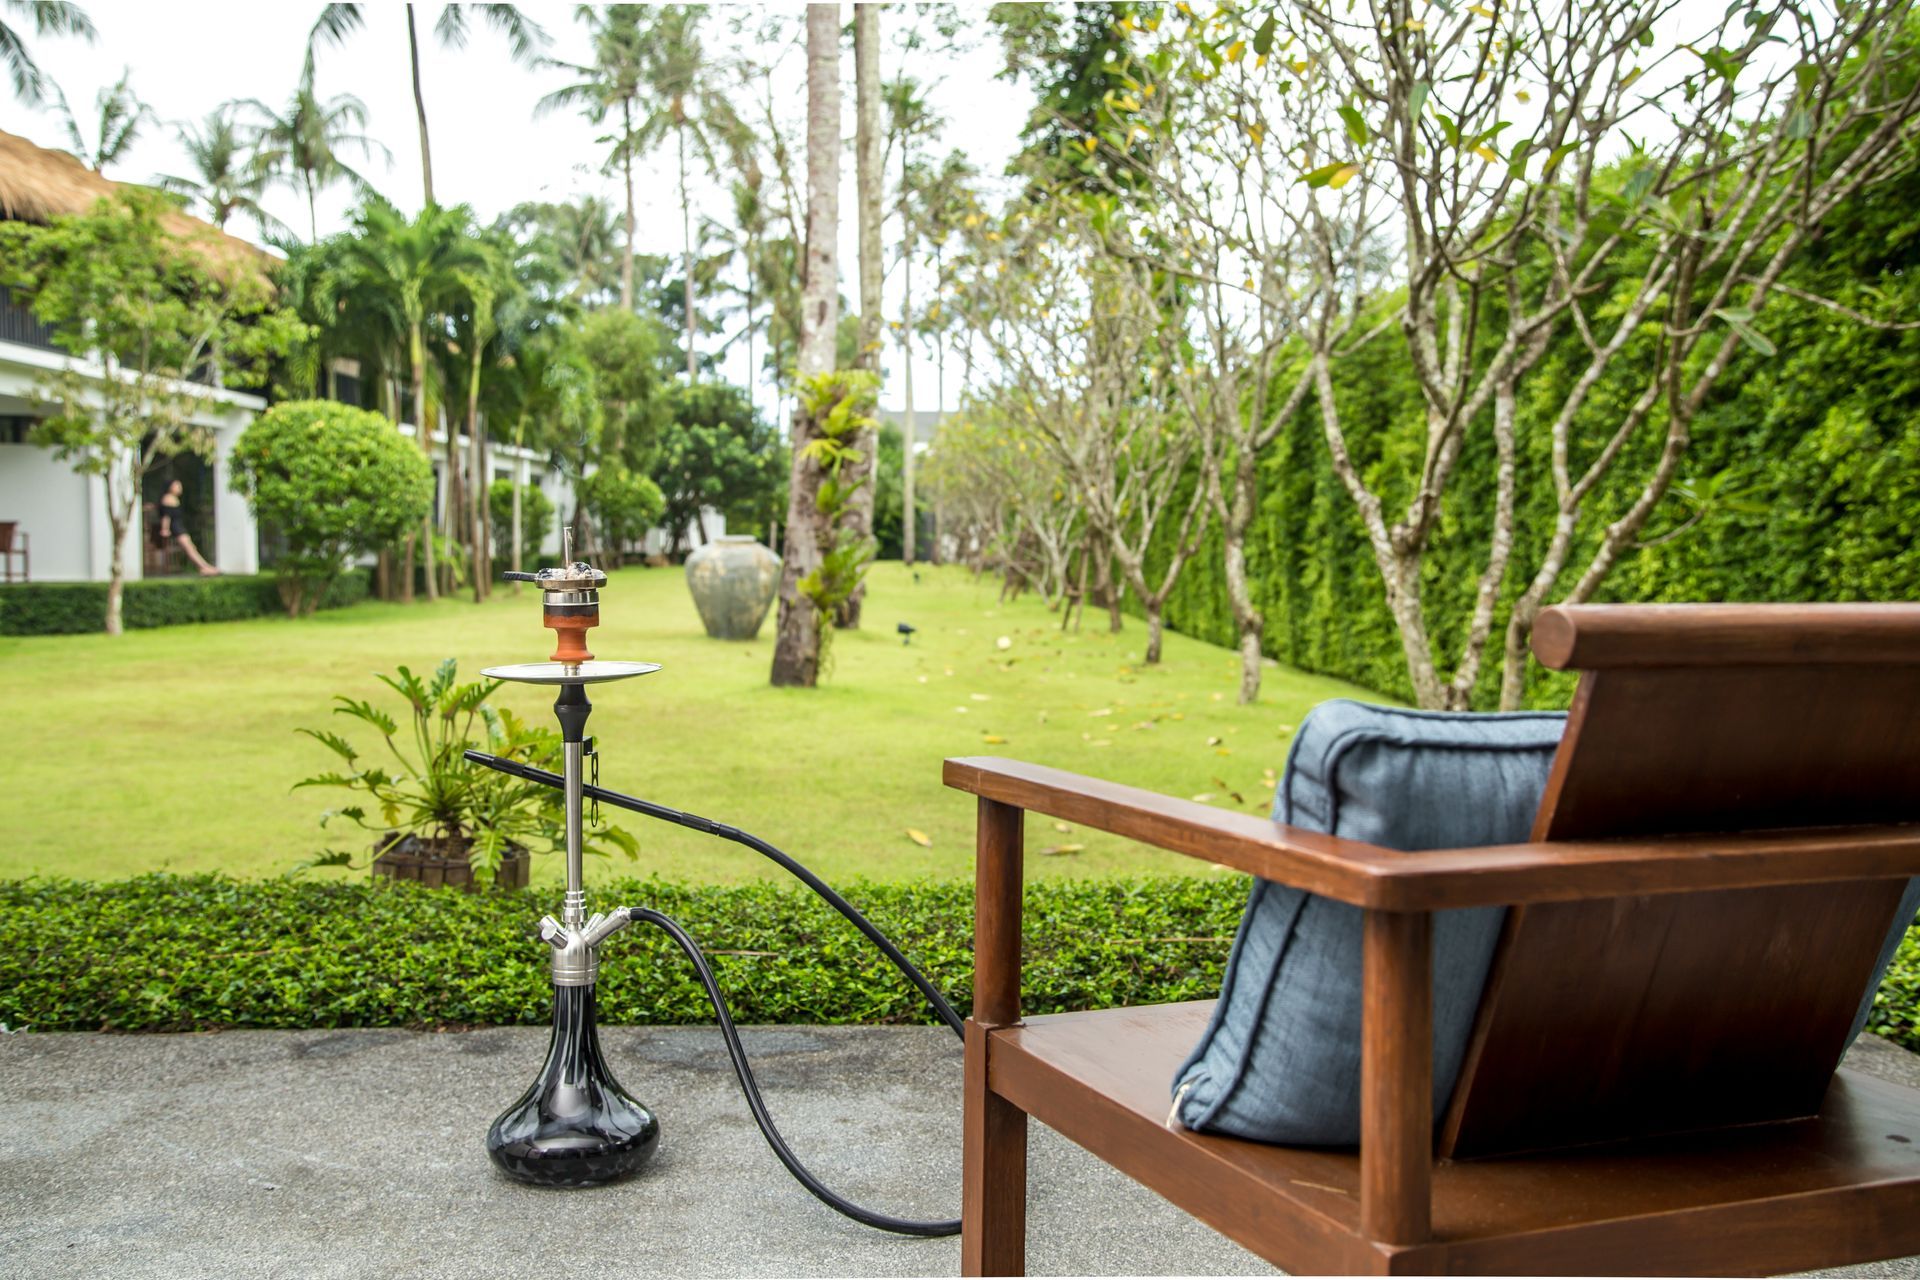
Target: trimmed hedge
{"points": [[69, 608], [182, 953]]}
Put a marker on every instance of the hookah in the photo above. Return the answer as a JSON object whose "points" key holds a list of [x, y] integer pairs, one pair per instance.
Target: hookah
{"points": [[575, 1126]]}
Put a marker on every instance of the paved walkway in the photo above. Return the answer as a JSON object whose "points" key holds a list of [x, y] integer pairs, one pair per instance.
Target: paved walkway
{"points": [[358, 1154]]}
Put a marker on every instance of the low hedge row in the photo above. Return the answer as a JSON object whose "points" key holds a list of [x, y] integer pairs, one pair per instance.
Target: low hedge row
{"points": [[180, 953], [68, 608]]}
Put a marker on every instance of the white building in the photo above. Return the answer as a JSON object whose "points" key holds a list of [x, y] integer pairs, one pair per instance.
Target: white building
{"points": [[63, 513]]}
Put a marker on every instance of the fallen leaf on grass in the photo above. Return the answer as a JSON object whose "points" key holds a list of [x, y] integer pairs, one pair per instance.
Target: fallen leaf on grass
{"points": [[1060, 850], [1204, 796], [1213, 741], [1063, 826], [980, 697], [920, 837], [992, 739], [1223, 751], [1237, 797], [1103, 711]]}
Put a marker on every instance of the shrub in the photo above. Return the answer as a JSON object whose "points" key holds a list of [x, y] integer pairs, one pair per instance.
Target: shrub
{"points": [[69, 608], [334, 481], [536, 521], [134, 955], [625, 504]]}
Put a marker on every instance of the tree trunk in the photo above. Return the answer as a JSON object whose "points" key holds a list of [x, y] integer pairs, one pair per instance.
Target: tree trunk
{"points": [[476, 485], [119, 522], [450, 508], [686, 247], [417, 355], [420, 107], [796, 654], [1236, 516], [626, 173]]}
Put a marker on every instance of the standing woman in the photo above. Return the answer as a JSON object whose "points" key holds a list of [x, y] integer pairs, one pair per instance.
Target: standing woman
{"points": [[170, 527]]}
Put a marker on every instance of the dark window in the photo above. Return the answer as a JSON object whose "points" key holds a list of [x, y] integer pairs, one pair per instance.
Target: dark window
{"points": [[15, 427]]}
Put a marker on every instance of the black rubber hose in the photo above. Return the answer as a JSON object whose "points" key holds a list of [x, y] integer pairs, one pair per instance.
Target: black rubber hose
{"points": [[755, 1104], [708, 826]]}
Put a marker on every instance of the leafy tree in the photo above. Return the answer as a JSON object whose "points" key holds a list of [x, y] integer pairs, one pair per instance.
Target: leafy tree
{"points": [[536, 521], [335, 482], [628, 354], [141, 312], [48, 18], [625, 505], [715, 452]]}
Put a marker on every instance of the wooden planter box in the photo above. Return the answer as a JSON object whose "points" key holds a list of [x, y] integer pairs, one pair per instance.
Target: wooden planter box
{"points": [[443, 864]]}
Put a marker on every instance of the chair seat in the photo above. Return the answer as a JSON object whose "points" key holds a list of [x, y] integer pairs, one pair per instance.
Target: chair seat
{"points": [[1658, 1206]]}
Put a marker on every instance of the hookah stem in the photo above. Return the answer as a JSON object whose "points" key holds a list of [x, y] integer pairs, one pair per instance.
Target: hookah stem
{"points": [[708, 826], [751, 1088]]}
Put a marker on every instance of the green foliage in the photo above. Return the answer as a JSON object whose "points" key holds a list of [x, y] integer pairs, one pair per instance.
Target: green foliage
{"points": [[1896, 1007], [536, 521], [71, 608], [133, 955], [715, 452], [628, 354], [436, 793], [335, 482], [122, 287], [840, 406], [1797, 486], [625, 504]]}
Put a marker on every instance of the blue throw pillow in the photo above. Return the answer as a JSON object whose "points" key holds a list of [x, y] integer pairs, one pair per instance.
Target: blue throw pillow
{"points": [[1280, 1061]]}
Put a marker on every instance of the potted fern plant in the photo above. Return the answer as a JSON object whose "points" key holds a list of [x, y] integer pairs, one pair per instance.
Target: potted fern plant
{"points": [[438, 818]]}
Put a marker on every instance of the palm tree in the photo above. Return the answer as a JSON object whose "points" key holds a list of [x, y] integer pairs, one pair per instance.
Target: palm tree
{"points": [[229, 174], [525, 38], [304, 142], [30, 84], [579, 239], [413, 266], [681, 100], [611, 84], [119, 116]]}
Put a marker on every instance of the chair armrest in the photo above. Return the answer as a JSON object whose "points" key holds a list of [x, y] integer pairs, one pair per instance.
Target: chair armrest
{"points": [[1503, 875]]}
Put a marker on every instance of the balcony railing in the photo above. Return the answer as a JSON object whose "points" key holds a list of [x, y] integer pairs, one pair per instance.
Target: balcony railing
{"points": [[17, 324]]}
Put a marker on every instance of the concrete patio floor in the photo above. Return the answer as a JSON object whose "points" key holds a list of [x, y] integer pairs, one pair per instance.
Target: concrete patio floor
{"points": [[358, 1154]]}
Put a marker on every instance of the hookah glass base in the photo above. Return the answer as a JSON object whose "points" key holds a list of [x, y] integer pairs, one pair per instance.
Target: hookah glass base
{"points": [[575, 1127]]}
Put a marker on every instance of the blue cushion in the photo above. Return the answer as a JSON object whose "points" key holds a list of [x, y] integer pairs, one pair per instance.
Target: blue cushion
{"points": [[1280, 1061], [1903, 919]]}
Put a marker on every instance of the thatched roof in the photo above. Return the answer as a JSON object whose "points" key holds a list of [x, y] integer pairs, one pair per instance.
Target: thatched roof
{"points": [[38, 184]]}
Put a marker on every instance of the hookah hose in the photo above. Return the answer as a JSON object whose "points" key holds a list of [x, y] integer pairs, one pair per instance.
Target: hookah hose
{"points": [[735, 1051]]}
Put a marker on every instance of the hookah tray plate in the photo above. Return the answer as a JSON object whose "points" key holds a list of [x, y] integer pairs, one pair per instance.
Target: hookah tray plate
{"points": [[592, 672]]}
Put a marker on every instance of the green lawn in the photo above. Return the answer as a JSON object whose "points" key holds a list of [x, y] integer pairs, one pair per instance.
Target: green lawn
{"points": [[174, 749]]}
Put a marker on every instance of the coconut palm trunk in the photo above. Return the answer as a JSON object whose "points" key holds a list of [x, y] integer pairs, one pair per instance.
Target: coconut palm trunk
{"points": [[420, 109], [417, 360], [796, 654]]}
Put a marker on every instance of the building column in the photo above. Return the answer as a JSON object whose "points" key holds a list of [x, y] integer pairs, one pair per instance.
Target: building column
{"points": [[236, 539]]}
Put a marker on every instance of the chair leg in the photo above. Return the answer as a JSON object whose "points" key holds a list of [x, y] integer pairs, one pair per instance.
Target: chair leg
{"points": [[993, 1197]]}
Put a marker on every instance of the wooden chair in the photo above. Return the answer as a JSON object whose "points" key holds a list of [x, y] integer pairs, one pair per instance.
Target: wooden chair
{"points": [[13, 545], [1651, 1083]]}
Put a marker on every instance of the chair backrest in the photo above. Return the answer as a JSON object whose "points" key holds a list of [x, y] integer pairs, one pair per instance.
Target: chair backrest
{"points": [[6, 535], [1658, 1014]]}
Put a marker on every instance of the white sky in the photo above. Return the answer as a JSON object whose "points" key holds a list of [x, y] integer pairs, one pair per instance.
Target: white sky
{"points": [[490, 150]]}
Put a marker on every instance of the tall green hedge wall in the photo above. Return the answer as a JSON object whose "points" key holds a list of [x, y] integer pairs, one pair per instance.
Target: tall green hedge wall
{"points": [[1816, 455]]}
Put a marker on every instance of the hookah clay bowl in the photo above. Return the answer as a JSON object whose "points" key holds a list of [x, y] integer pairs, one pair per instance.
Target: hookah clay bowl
{"points": [[733, 580]]}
